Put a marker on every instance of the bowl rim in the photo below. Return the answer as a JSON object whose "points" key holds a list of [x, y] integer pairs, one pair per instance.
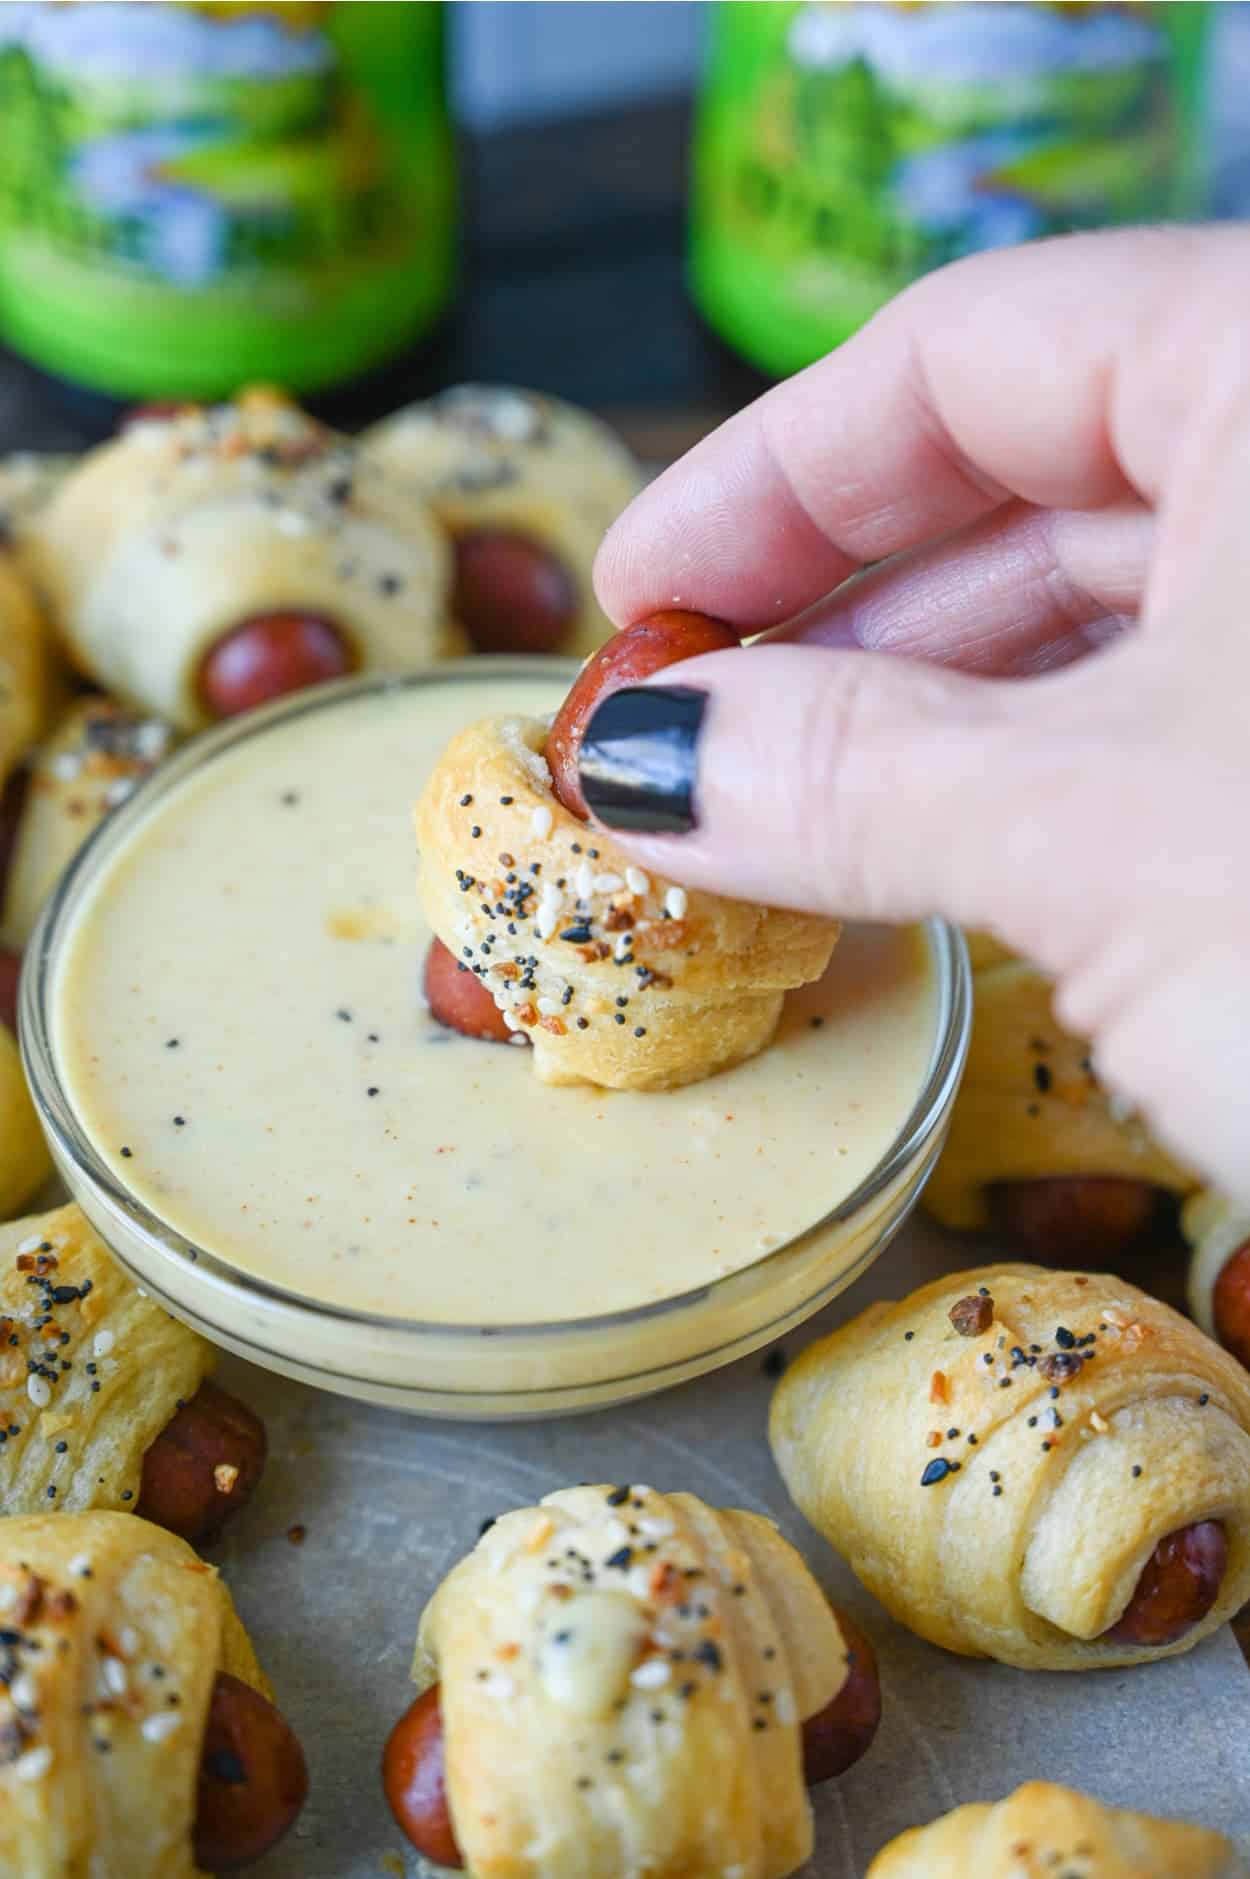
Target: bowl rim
{"points": [[71, 1143]]}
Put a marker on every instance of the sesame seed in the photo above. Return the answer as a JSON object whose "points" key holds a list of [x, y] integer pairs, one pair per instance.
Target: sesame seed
{"points": [[652, 1674], [39, 1391], [541, 821], [675, 903], [465, 800], [157, 1728]]}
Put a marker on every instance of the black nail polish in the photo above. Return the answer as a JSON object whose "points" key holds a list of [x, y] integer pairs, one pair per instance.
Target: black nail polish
{"points": [[638, 758]]}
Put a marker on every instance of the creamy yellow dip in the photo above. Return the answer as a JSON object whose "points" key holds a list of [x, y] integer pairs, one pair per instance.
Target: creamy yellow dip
{"points": [[238, 1022]]}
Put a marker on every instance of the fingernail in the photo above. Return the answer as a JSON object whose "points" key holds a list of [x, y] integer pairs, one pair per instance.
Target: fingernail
{"points": [[639, 757]]}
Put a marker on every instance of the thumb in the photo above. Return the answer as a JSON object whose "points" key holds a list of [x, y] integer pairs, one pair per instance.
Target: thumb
{"points": [[844, 782]]}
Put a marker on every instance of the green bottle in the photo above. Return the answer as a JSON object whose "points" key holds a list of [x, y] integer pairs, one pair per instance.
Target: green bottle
{"points": [[841, 149], [193, 196]]}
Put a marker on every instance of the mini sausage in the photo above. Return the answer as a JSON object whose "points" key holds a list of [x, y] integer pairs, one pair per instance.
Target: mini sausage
{"points": [[253, 1778], [10, 972], [458, 999], [836, 1737], [628, 657], [414, 1778], [267, 657], [203, 1466], [510, 594], [1179, 1584], [1230, 1305], [1074, 1219]]}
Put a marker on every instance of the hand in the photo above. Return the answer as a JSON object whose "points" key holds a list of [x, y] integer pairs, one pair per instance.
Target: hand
{"points": [[1049, 449]]}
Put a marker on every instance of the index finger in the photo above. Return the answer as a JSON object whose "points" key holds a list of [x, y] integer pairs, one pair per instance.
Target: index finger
{"points": [[1060, 373]]}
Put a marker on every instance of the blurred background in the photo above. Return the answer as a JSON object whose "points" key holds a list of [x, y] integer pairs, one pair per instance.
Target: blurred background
{"points": [[651, 209]]}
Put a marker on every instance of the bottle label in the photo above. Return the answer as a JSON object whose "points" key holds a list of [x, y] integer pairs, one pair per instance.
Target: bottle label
{"points": [[845, 148], [191, 194]]}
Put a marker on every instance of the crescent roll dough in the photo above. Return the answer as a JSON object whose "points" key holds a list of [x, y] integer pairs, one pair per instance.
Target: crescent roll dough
{"points": [[1030, 1105], [28, 481], [93, 760], [25, 667], [106, 1619], [489, 456], [1044, 1832], [561, 928], [184, 527], [25, 1163], [1000, 1491], [622, 1678], [91, 1371]]}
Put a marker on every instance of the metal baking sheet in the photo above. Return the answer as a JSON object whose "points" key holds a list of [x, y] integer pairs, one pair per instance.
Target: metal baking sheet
{"points": [[388, 1502]]}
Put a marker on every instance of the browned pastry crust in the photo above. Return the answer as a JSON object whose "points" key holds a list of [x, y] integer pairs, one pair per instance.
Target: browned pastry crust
{"points": [[25, 667], [1041, 1831], [617, 978], [93, 760], [621, 1629], [91, 1370], [114, 1633], [1001, 1487], [182, 528], [494, 457], [1031, 1105]]}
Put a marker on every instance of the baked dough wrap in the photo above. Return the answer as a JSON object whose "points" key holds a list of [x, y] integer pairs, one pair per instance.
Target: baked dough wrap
{"points": [[182, 528], [604, 1661], [25, 1163], [106, 1619], [78, 1424], [1042, 1831], [28, 481], [26, 670], [494, 457], [93, 760], [561, 928], [1031, 1106], [1021, 1536]]}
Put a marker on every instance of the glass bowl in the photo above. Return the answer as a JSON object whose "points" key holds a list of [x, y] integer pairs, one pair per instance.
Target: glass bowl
{"points": [[471, 1371]]}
